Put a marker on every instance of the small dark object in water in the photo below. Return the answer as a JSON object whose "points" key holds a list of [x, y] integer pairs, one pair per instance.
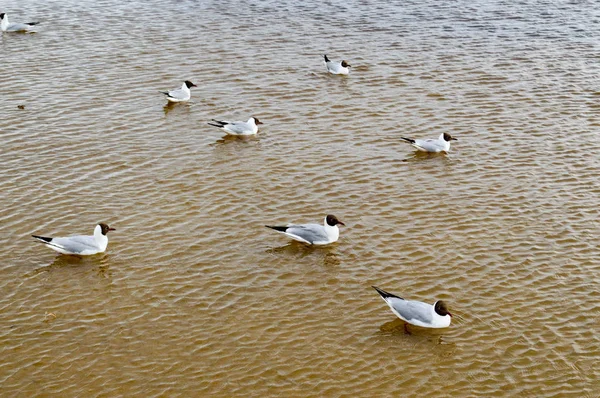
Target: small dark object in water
{"points": [[21, 106]]}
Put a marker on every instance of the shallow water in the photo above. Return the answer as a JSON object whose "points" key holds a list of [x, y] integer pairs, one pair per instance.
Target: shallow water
{"points": [[194, 297]]}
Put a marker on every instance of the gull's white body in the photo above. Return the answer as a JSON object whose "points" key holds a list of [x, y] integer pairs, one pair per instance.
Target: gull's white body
{"points": [[239, 128], [5, 26], [81, 245], [181, 94]]}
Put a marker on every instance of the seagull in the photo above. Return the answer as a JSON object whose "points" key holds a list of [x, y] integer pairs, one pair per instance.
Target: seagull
{"points": [[238, 128], [416, 312], [337, 68], [5, 26], [313, 234], [431, 145], [81, 245], [180, 94]]}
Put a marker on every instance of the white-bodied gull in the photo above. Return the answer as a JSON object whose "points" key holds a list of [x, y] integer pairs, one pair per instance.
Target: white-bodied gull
{"points": [[180, 94], [80, 245], [416, 312], [441, 144], [238, 128], [337, 67], [5, 26], [313, 234]]}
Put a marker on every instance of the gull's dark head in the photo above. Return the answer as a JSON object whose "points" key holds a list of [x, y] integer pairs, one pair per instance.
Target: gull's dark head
{"points": [[105, 228], [2, 15], [256, 121], [448, 137], [333, 221], [346, 64], [441, 309], [189, 84]]}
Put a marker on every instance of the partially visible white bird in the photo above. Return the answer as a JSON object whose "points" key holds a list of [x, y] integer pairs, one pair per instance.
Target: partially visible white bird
{"points": [[5, 26], [416, 312], [313, 234], [180, 94], [337, 68], [81, 245], [238, 128], [441, 144]]}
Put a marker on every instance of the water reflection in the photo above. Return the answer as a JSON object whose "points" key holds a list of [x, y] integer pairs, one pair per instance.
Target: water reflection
{"points": [[327, 254], [398, 327], [419, 156], [178, 107], [99, 263], [234, 139]]}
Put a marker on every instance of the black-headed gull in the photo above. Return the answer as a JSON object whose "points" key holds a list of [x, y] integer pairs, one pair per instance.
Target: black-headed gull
{"points": [[337, 67], [441, 144], [180, 94], [5, 26], [313, 234], [416, 312], [81, 245], [238, 128]]}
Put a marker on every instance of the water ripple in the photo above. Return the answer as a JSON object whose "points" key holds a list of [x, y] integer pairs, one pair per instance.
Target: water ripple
{"points": [[195, 297]]}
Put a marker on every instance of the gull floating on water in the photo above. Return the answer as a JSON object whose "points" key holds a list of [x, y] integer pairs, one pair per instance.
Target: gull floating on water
{"points": [[313, 234], [416, 312], [81, 245], [337, 68], [238, 128], [441, 144], [5, 26], [180, 94]]}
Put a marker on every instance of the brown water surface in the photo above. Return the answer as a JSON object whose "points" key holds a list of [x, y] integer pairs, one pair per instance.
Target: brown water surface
{"points": [[194, 297]]}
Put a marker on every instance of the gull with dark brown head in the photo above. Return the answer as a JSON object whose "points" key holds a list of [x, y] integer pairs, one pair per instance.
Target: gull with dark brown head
{"points": [[441, 144], [313, 234], [5, 26], [238, 128], [416, 312], [337, 67], [181, 94], [79, 244]]}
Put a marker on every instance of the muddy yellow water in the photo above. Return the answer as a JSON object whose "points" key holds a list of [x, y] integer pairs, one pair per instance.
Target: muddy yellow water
{"points": [[195, 297]]}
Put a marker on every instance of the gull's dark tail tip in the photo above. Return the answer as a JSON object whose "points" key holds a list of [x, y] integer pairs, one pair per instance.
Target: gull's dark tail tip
{"points": [[385, 294], [280, 229], [42, 238], [31, 23], [408, 140], [325, 56]]}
